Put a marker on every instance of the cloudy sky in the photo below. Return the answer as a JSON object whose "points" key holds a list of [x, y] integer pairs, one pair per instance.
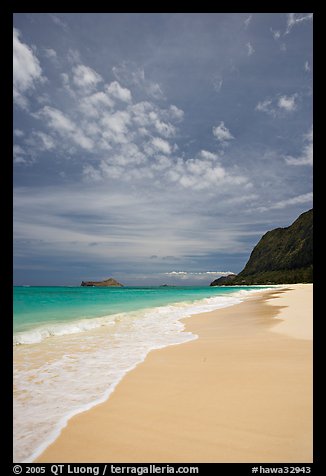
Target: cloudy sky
{"points": [[156, 148]]}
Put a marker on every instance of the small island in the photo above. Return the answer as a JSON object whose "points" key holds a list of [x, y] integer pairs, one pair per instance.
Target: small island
{"points": [[106, 283]]}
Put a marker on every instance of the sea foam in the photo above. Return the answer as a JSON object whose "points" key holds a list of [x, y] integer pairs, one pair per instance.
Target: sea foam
{"points": [[73, 366]]}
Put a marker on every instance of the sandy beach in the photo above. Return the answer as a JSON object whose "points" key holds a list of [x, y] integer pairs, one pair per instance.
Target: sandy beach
{"points": [[241, 392]]}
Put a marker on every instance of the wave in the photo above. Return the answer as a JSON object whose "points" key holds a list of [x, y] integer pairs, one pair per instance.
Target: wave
{"points": [[178, 311], [84, 369]]}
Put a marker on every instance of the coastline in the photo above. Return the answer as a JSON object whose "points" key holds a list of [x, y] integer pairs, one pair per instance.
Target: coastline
{"points": [[237, 393]]}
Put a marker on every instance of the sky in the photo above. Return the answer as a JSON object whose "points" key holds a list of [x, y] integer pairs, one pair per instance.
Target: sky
{"points": [[156, 148]]}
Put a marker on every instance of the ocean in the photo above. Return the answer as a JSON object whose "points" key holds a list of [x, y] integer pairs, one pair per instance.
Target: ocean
{"points": [[72, 346]]}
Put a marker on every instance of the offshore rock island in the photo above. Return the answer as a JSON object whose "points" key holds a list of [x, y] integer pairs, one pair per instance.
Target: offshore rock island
{"points": [[106, 283]]}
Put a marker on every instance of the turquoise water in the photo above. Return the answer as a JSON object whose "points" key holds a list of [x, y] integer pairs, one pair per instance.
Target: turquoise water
{"points": [[73, 345], [35, 306]]}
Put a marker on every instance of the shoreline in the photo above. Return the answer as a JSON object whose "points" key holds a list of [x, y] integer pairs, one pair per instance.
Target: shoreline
{"points": [[168, 427], [44, 355]]}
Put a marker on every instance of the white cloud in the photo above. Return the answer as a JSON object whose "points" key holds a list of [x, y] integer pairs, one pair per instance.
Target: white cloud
{"points": [[115, 126], [73, 56], [147, 116], [125, 223], [287, 103], [58, 21], [200, 174], [203, 275], [217, 82], [306, 156], [27, 71], [19, 133], [85, 78], [165, 129], [162, 163], [247, 21], [161, 145], [57, 120], [307, 67], [250, 49], [91, 174], [127, 141], [298, 200], [222, 133], [205, 154], [294, 19], [64, 126], [18, 154], [132, 75], [118, 92], [280, 104], [40, 141], [265, 106], [176, 113], [276, 34], [154, 90], [95, 104], [50, 53], [46, 140]]}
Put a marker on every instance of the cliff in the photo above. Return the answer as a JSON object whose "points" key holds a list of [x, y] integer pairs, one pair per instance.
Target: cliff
{"points": [[224, 280], [106, 283], [283, 255]]}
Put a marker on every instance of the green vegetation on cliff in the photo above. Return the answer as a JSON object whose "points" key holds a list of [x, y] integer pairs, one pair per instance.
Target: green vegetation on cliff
{"points": [[283, 255]]}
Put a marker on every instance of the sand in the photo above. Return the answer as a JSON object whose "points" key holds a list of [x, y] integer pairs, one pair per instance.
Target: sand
{"points": [[241, 392]]}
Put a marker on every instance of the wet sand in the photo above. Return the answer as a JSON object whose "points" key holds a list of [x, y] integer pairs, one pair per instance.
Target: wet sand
{"points": [[241, 392]]}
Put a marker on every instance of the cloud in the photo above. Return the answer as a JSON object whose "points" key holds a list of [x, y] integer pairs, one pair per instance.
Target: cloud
{"points": [[294, 19], [276, 34], [176, 113], [27, 72], [307, 67], [18, 155], [59, 123], [306, 156], [50, 53], [265, 106], [58, 21], [40, 141], [85, 77], [138, 181], [161, 145], [217, 82], [116, 91], [19, 133], [91, 174], [125, 141], [247, 21], [222, 133], [198, 276], [115, 127], [57, 120], [205, 154], [128, 225], [129, 73], [298, 200], [279, 104], [165, 129], [96, 104], [287, 103], [250, 49]]}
